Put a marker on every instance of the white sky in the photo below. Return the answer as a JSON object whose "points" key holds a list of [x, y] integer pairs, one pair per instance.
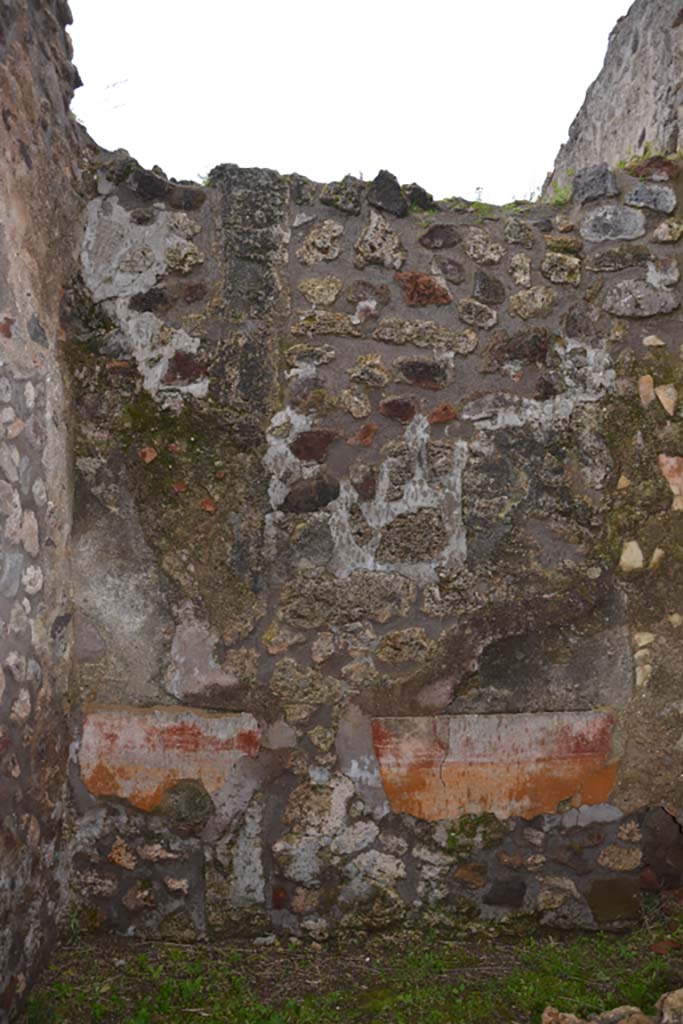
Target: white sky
{"points": [[451, 94]]}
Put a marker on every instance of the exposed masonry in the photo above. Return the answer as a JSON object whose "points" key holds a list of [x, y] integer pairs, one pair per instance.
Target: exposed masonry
{"points": [[375, 565], [391, 495]]}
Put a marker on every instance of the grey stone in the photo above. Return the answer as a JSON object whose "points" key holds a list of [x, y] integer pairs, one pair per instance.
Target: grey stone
{"points": [[88, 644], [661, 198], [477, 314], [10, 578], [636, 298], [488, 289], [607, 223], [594, 182], [506, 892], [518, 232]]}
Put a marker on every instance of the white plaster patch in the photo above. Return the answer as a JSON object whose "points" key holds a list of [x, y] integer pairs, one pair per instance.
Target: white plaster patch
{"points": [[120, 259]]}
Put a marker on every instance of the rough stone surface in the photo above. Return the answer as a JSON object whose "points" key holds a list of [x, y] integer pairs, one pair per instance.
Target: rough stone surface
{"points": [[632, 107], [592, 183], [607, 223]]}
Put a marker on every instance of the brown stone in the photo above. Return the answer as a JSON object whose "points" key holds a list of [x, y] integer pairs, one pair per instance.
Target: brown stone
{"points": [[402, 409], [614, 899], [655, 168], [311, 494], [530, 345], [140, 896], [472, 875], [423, 373], [440, 236], [364, 479], [313, 445], [562, 243]]}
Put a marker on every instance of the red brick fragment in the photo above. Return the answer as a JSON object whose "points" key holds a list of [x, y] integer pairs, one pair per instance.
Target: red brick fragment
{"points": [[209, 505], [422, 289], [664, 947], [6, 327], [279, 898], [148, 454], [443, 413], [648, 880], [179, 486], [365, 436]]}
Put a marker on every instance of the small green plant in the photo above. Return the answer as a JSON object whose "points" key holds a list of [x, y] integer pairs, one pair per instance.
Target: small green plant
{"points": [[561, 194]]}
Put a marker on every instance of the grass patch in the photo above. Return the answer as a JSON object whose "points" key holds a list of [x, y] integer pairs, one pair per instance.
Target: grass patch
{"points": [[397, 979]]}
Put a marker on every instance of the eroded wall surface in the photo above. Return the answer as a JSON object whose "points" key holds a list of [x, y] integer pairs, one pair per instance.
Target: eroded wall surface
{"points": [[635, 103], [39, 216], [377, 552]]}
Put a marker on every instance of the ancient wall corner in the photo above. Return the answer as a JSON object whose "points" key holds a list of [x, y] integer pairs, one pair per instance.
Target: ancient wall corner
{"points": [[40, 214]]}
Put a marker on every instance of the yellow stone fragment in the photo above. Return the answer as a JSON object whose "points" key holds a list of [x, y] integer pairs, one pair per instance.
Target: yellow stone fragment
{"points": [[657, 556], [667, 395], [631, 557], [623, 482], [643, 639], [646, 389], [652, 341], [675, 619], [643, 673]]}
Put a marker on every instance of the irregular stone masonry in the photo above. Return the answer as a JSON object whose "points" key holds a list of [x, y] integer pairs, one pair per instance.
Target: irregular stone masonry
{"points": [[386, 522], [375, 557], [40, 208]]}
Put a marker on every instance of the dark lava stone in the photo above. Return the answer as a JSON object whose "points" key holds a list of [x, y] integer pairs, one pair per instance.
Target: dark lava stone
{"points": [[385, 193]]}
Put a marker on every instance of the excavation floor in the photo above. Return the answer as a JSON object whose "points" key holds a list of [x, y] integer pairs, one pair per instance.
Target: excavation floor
{"points": [[407, 978]]}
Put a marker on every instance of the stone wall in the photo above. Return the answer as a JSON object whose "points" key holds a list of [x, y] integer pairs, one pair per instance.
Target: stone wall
{"points": [[377, 553], [635, 104], [373, 582], [39, 241]]}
